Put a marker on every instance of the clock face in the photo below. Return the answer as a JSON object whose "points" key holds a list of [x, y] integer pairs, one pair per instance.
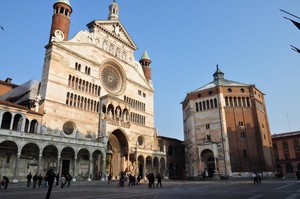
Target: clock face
{"points": [[111, 79], [59, 35]]}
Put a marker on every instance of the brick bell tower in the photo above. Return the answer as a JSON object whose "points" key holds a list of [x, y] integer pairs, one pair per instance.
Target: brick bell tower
{"points": [[145, 62], [61, 20]]}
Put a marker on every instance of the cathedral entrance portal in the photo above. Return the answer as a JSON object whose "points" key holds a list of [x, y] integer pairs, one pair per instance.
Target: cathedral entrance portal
{"points": [[117, 153]]}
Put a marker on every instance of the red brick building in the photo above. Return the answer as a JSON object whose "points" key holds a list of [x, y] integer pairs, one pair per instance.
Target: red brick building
{"points": [[226, 129], [286, 147]]}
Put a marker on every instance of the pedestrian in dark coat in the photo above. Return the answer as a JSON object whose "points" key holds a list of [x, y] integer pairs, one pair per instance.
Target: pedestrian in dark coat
{"points": [[35, 179], [50, 176], [5, 181], [40, 179], [29, 177], [158, 177], [57, 179], [69, 178]]}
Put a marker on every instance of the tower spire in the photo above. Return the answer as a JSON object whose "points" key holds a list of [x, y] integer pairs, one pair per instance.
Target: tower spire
{"points": [[113, 11], [145, 62]]}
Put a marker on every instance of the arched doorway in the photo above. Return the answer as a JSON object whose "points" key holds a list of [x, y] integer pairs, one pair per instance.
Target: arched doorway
{"points": [[97, 164], [30, 158], [68, 163], [207, 158], [141, 166], [83, 157], [8, 157], [49, 160], [117, 153]]}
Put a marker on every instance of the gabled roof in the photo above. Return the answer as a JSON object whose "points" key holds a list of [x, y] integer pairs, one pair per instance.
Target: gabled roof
{"points": [[115, 29]]}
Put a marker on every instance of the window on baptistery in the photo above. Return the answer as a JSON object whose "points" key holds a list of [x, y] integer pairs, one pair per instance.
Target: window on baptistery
{"points": [[245, 154], [241, 123], [207, 126], [243, 134], [216, 103]]}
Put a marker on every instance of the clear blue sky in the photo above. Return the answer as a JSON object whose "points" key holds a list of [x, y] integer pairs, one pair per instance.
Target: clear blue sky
{"points": [[249, 40]]}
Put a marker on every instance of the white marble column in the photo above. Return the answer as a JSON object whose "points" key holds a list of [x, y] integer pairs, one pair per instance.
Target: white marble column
{"points": [[90, 169], [16, 166]]}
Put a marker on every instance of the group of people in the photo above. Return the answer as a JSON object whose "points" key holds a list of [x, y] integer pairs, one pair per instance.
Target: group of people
{"points": [[133, 180], [151, 180], [37, 180], [257, 177]]}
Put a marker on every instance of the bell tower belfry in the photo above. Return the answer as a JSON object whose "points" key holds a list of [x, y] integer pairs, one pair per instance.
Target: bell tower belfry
{"points": [[145, 61], [61, 20], [113, 11]]}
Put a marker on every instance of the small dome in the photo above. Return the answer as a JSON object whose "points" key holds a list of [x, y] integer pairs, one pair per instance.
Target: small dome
{"points": [[64, 1]]}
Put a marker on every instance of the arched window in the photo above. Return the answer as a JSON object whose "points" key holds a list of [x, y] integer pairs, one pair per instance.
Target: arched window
{"points": [[215, 102], [245, 154], [170, 150], [226, 101], [207, 104]]}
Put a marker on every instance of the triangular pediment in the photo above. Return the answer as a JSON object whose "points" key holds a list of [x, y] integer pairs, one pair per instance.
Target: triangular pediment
{"points": [[114, 28]]}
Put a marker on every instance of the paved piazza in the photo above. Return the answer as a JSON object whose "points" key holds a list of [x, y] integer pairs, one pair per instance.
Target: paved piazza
{"points": [[269, 189]]}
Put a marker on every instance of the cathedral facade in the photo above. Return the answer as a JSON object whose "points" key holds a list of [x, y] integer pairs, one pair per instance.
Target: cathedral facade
{"points": [[93, 111], [226, 130]]}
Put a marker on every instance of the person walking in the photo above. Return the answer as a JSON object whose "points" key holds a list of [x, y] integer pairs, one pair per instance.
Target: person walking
{"points": [[254, 176], [138, 180], [69, 178], [29, 177], [109, 179], [158, 177], [46, 180], [35, 179], [50, 176], [5, 181], [57, 179], [62, 181], [40, 179]]}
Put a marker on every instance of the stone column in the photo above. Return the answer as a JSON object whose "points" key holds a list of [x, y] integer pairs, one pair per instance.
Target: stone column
{"points": [[39, 162], [104, 174], [11, 122], [23, 123], [1, 117], [16, 166], [145, 168], [90, 169], [58, 164], [74, 169]]}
